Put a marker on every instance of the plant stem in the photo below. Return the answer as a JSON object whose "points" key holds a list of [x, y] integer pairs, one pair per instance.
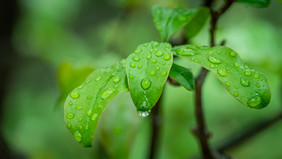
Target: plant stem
{"points": [[201, 131]]}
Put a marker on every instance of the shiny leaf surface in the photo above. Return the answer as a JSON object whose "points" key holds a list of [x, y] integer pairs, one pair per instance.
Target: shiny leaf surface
{"points": [[183, 76]]}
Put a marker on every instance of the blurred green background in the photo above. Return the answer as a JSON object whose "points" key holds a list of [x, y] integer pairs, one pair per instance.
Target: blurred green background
{"points": [[48, 47]]}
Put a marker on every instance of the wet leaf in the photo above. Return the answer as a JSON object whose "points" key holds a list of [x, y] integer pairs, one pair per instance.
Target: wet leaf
{"points": [[183, 76], [85, 104], [147, 70], [246, 85], [255, 3], [168, 21]]}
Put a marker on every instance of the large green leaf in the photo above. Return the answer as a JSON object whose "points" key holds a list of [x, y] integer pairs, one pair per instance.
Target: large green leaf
{"points": [[85, 103], [183, 76], [147, 70], [246, 85], [255, 3], [168, 21]]}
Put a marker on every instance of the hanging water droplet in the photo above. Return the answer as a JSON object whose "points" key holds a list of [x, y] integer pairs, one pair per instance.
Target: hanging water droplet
{"points": [[256, 75], [154, 60], [143, 113], [70, 103], [149, 56], [70, 115], [145, 83], [74, 94], [255, 101], [132, 65], [94, 116], [139, 66], [107, 93], [167, 57], [98, 78], [136, 58], [221, 72], [163, 73], [159, 53], [235, 93], [233, 54], [214, 60], [227, 84], [79, 119], [152, 72], [78, 107], [116, 79], [244, 82], [77, 136], [248, 73]]}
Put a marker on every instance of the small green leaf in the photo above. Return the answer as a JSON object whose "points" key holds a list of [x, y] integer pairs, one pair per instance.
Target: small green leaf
{"points": [[255, 3], [246, 85], [85, 104], [168, 21], [147, 70], [183, 76]]}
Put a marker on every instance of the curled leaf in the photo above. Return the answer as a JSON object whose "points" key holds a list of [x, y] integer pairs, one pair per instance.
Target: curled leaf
{"points": [[147, 70], [246, 85], [183, 76], [85, 104]]}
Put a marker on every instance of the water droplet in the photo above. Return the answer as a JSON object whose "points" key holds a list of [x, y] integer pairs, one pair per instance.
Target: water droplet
{"points": [[155, 44], [87, 81], [77, 136], [158, 68], [116, 79], [89, 112], [256, 75], [227, 84], [167, 57], [138, 50], [235, 93], [154, 60], [255, 101], [78, 107], [69, 125], [116, 85], [152, 72], [70, 103], [151, 51], [143, 113], [233, 54], [139, 66], [244, 82], [237, 64], [212, 65], [86, 127], [145, 83], [248, 73], [89, 97], [221, 72], [163, 73], [236, 87], [70, 115], [80, 127], [214, 60], [260, 79], [132, 65], [159, 53], [74, 94], [80, 87], [257, 85], [136, 58], [94, 116], [107, 93], [149, 56], [79, 119], [131, 76], [186, 52], [98, 78]]}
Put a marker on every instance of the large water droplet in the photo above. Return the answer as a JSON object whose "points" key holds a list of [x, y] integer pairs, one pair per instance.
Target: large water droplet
{"points": [[136, 58], [77, 136], [214, 60], [143, 113], [167, 57], [244, 82], [145, 83], [107, 93], [74, 94], [221, 72], [70, 115], [116, 79], [255, 101], [159, 53]]}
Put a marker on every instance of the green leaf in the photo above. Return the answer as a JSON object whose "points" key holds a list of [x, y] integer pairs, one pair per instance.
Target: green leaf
{"points": [[197, 22], [168, 21], [183, 76], [85, 103], [147, 70], [255, 3], [246, 85]]}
